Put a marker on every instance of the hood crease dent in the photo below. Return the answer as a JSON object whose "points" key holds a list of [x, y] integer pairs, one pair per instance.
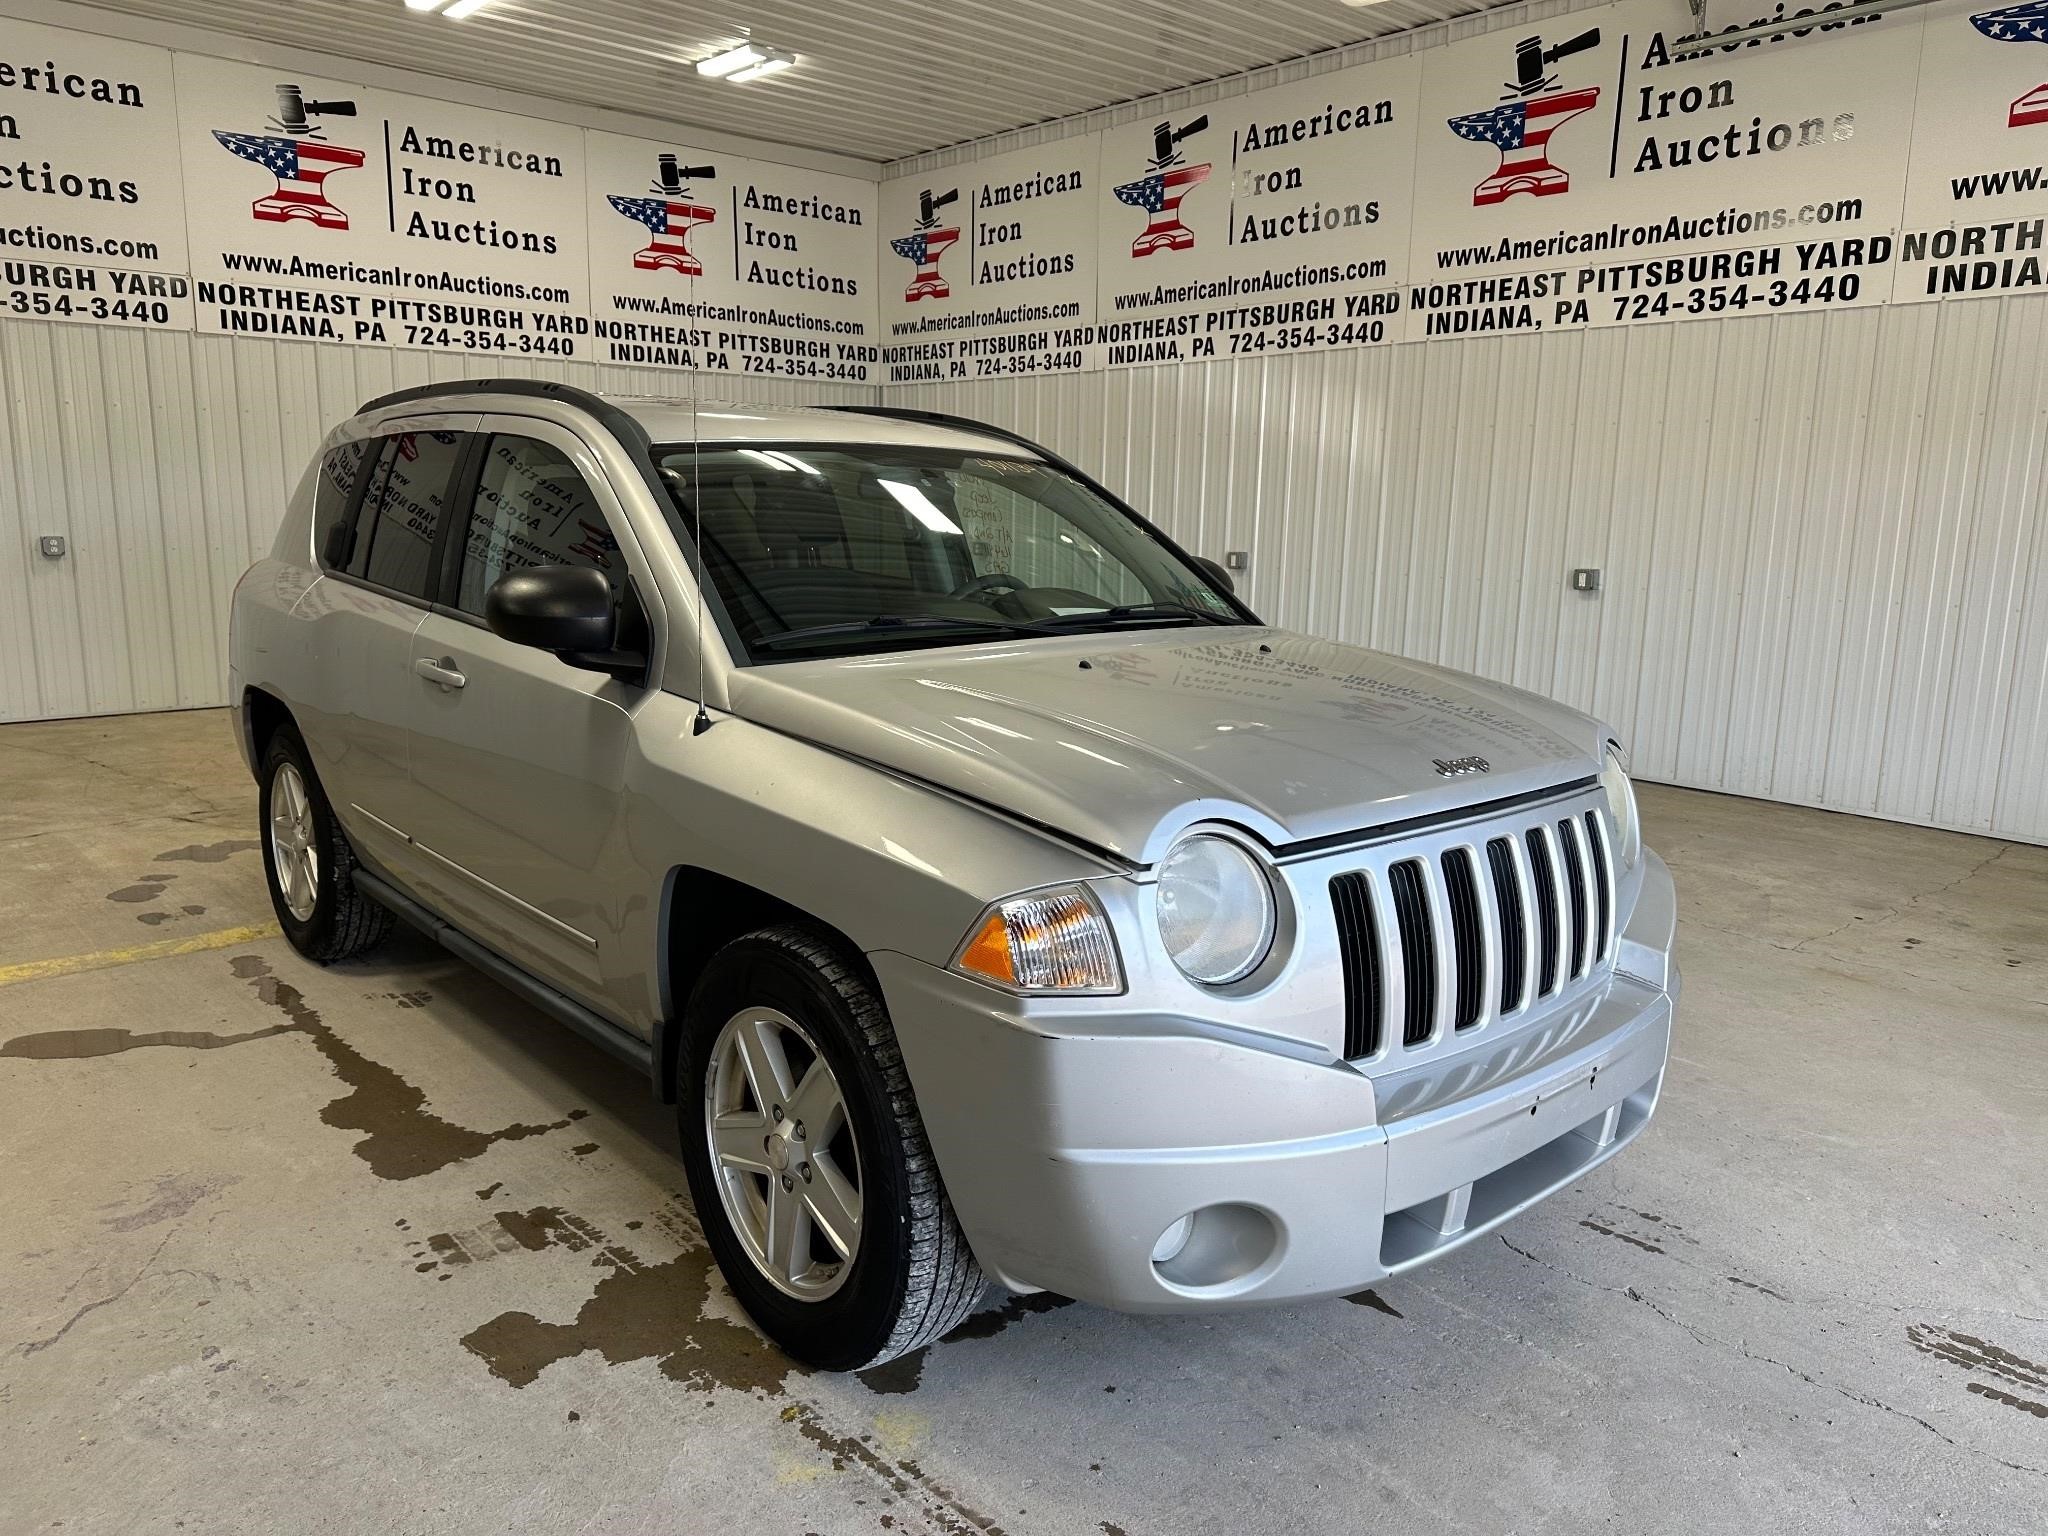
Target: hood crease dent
{"points": [[1291, 738]]}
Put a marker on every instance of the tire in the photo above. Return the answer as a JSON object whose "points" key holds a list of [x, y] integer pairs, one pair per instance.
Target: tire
{"points": [[340, 922], [911, 1277]]}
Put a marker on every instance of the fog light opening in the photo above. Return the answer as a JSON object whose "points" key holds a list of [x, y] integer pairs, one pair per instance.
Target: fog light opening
{"points": [[1216, 1247]]}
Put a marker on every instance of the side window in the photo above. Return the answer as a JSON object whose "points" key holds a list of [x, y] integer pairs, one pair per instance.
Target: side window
{"points": [[532, 507], [333, 487], [402, 510]]}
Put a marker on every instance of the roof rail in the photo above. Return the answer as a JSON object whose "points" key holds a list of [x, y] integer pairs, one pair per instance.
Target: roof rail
{"points": [[987, 429], [547, 389], [621, 423]]}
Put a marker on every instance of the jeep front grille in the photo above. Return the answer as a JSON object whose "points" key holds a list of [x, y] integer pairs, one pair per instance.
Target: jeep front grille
{"points": [[1435, 946]]}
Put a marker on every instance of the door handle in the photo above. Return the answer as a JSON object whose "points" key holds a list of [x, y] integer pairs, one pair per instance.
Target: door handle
{"points": [[442, 671]]}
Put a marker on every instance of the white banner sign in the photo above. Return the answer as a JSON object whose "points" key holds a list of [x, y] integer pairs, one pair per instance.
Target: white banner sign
{"points": [[92, 222], [324, 210], [1275, 221], [1588, 172], [990, 268], [1977, 198], [705, 260]]}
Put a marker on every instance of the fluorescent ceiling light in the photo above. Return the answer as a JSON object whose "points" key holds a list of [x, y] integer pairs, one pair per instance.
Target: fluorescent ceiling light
{"points": [[921, 507], [423, 5], [719, 65], [774, 61]]}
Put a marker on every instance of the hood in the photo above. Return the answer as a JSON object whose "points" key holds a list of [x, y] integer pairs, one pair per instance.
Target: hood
{"points": [[1121, 741]]}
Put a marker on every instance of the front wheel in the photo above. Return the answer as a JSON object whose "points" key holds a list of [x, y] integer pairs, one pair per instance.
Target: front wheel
{"points": [[807, 1160]]}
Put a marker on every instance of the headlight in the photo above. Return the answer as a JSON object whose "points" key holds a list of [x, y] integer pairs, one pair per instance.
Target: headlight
{"points": [[1216, 910], [1055, 940], [1621, 805]]}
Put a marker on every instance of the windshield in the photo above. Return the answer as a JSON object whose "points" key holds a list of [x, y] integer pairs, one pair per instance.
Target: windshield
{"points": [[843, 549]]}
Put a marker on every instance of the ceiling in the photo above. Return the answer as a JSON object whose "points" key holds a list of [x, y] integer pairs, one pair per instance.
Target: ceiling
{"points": [[879, 79]]}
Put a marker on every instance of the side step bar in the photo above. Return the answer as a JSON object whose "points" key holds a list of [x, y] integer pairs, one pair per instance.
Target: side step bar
{"points": [[635, 1052]]}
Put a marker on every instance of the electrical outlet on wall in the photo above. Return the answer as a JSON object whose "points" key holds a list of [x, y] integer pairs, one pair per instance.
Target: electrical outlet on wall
{"points": [[52, 544], [1586, 578]]}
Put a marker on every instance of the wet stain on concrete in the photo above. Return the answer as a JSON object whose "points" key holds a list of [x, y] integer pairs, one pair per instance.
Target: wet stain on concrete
{"points": [[402, 1139], [1606, 1231], [410, 999], [549, 1226], [584, 1150], [2025, 1405], [905, 1372], [174, 1195], [1374, 1300], [77, 1044], [155, 919], [1109, 1528], [638, 1311], [1751, 1285], [209, 853], [147, 888], [489, 1190], [506, 1232], [904, 1477], [1979, 1355]]}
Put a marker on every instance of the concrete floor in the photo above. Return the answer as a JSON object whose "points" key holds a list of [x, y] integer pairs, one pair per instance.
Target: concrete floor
{"points": [[378, 1248]]}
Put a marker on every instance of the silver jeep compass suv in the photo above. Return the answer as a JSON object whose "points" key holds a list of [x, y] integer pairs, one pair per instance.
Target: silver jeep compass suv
{"points": [[991, 892]]}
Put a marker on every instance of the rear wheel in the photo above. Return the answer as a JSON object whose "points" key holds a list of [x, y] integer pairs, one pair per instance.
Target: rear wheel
{"points": [[309, 863], [808, 1162]]}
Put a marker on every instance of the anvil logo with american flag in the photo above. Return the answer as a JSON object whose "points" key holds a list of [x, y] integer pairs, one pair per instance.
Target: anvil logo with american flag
{"points": [[299, 158], [1520, 127], [669, 215], [2019, 24], [1160, 191], [925, 244]]}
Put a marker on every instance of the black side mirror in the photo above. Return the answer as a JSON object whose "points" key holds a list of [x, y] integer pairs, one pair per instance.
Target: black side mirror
{"points": [[1216, 573], [553, 608], [572, 611]]}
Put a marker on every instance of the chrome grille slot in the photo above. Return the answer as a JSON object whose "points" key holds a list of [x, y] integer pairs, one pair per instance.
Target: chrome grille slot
{"points": [[1468, 937], [1358, 944], [1418, 950], [1544, 872], [1576, 893], [1603, 885], [1514, 937]]}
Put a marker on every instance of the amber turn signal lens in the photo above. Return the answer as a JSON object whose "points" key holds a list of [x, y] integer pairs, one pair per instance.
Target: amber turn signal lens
{"points": [[988, 952]]}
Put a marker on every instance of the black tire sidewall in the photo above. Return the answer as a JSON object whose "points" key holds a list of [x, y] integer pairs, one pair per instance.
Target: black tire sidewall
{"points": [[846, 1329], [313, 937]]}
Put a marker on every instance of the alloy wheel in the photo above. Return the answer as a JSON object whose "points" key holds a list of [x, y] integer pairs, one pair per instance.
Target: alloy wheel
{"points": [[783, 1153], [294, 846]]}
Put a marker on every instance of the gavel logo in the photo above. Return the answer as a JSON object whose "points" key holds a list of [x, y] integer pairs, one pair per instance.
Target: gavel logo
{"points": [[295, 113], [1166, 140]]}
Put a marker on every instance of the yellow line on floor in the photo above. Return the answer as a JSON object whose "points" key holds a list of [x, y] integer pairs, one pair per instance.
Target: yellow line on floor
{"points": [[162, 949]]}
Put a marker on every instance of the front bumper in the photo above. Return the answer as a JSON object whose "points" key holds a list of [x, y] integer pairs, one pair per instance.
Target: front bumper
{"points": [[1067, 1155]]}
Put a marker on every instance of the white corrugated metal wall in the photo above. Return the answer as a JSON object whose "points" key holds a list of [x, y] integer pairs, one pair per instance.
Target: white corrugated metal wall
{"points": [[1823, 536], [164, 459]]}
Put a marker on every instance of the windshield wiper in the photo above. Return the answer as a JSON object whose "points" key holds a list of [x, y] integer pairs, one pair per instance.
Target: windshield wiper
{"points": [[1143, 611], [884, 623]]}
